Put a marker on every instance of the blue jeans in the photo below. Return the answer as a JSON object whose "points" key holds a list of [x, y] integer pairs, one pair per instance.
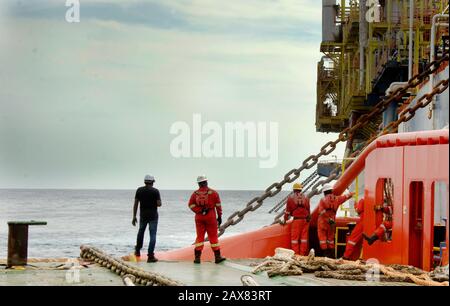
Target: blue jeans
{"points": [[152, 226]]}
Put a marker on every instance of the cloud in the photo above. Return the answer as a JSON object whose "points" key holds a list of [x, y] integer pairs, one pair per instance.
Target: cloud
{"points": [[90, 105], [252, 18]]}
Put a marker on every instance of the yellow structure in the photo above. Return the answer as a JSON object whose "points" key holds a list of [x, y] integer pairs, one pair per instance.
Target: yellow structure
{"points": [[348, 85]]}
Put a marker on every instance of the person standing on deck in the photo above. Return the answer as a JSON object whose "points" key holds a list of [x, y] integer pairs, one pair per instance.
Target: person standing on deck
{"points": [[326, 222], [354, 242], [205, 202], [297, 206], [149, 200]]}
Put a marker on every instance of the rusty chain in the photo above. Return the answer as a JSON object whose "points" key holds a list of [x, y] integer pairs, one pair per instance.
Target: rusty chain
{"points": [[330, 146], [121, 268]]}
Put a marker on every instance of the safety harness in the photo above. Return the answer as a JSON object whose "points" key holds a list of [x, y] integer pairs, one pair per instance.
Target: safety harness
{"points": [[300, 201], [329, 208]]}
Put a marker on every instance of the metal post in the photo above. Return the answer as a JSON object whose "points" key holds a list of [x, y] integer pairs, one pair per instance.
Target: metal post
{"points": [[362, 42], [18, 242], [17, 245], [410, 51]]}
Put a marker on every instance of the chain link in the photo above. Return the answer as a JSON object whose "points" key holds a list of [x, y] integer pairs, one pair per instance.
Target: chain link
{"points": [[329, 147]]}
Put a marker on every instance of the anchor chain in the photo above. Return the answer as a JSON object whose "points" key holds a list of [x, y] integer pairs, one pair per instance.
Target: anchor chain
{"points": [[121, 268], [330, 146]]}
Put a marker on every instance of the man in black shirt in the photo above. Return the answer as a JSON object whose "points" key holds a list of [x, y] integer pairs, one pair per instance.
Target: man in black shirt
{"points": [[150, 200]]}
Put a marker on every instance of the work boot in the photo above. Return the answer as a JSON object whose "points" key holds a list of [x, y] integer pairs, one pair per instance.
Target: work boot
{"points": [[198, 254], [219, 258], [371, 239], [151, 258], [137, 253]]}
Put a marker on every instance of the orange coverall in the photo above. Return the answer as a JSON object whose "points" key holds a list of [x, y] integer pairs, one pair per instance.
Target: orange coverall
{"points": [[205, 202], [354, 242], [298, 207], [327, 216]]}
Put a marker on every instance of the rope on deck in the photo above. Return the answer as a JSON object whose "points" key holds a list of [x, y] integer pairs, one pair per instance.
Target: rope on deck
{"points": [[340, 269], [248, 281], [121, 268]]}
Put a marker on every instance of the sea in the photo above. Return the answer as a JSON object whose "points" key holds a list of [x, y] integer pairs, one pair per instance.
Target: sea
{"points": [[102, 218]]}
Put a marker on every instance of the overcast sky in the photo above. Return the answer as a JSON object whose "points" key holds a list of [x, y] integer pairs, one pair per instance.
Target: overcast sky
{"points": [[90, 104]]}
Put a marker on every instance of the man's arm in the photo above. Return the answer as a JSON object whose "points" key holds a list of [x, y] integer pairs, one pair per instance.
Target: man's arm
{"points": [[307, 204], [158, 201], [308, 207], [135, 208], [218, 209], [344, 198], [218, 205], [287, 211]]}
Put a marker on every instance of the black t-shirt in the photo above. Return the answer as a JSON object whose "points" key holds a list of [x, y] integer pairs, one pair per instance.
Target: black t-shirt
{"points": [[147, 197]]}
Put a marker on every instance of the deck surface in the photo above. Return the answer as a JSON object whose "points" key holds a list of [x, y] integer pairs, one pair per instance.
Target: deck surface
{"points": [[206, 274]]}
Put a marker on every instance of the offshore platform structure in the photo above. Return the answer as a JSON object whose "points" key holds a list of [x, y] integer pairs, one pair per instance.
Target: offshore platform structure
{"points": [[372, 48], [369, 45]]}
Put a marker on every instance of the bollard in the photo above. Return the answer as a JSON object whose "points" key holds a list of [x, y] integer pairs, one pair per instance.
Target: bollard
{"points": [[18, 242]]}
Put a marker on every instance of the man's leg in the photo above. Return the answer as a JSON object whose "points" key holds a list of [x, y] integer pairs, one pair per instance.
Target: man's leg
{"points": [[304, 238], [354, 243], [330, 241], [153, 227], [322, 229], [200, 228], [295, 236], [140, 236], [213, 237], [211, 229]]}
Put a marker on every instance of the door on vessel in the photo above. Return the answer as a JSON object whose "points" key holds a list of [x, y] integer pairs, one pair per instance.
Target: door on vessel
{"points": [[383, 178], [416, 198]]}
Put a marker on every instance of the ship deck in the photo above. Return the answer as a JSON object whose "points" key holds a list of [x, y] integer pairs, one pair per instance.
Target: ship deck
{"points": [[206, 274]]}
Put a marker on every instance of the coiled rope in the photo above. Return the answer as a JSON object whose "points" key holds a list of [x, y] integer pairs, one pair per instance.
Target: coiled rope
{"points": [[121, 268]]}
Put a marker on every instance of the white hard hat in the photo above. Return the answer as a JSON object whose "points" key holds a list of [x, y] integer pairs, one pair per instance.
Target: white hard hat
{"points": [[149, 178], [201, 178], [327, 187]]}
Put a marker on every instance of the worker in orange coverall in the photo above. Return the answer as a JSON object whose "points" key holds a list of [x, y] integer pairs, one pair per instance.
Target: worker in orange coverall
{"points": [[386, 225], [326, 222], [297, 206], [204, 203], [354, 242]]}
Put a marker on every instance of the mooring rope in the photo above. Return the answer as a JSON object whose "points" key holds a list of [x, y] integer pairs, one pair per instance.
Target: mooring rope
{"points": [[339, 269], [121, 268]]}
